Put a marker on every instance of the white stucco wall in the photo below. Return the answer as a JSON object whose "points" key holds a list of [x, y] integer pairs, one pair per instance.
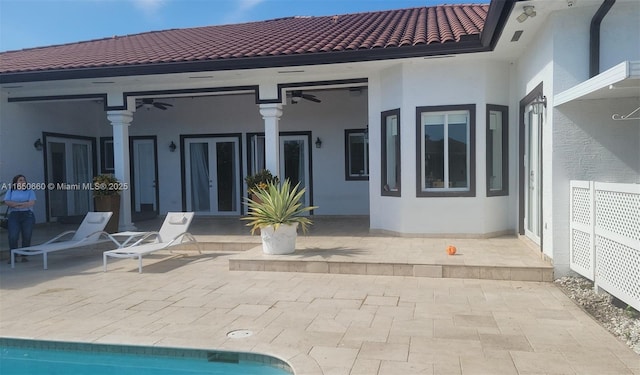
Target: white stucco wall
{"points": [[22, 123], [620, 34], [430, 82], [580, 141]]}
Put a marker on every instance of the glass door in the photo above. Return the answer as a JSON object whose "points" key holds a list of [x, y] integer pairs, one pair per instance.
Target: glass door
{"points": [[533, 180], [70, 168], [212, 174], [294, 162], [145, 190]]}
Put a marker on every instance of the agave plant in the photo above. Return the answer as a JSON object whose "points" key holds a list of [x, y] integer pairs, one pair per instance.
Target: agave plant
{"points": [[276, 205]]}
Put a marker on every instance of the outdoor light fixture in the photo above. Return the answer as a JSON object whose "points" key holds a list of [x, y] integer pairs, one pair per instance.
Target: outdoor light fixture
{"points": [[539, 104], [172, 147], [38, 144], [527, 11], [318, 142]]}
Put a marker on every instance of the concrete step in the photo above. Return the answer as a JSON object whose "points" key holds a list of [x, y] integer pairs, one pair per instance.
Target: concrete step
{"points": [[281, 263]]}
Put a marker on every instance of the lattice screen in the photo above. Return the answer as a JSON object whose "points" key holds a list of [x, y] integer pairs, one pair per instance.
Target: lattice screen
{"points": [[582, 253], [605, 237], [618, 270], [582, 258], [618, 212]]}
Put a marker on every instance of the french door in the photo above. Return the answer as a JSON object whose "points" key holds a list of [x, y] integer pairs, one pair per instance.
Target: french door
{"points": [[533, 175], [212, 175], [145, 172], [70, 166], [294, 160]]}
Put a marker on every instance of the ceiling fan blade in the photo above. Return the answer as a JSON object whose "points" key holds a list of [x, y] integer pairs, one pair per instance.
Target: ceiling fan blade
{"points": [[311, 98], [160, 106], [139, 105]]}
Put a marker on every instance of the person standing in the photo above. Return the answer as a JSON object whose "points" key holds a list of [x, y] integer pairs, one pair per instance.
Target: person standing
{"points": [[20, 200]]}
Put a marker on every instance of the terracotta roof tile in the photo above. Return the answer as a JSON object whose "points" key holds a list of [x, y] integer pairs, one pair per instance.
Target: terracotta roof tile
{"points": [[401, 28]]}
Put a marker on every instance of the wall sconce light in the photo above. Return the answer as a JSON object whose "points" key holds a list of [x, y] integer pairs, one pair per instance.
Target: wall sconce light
{"points": [[38, 144], [539, 104], [527, 11], [318, 142], [172, 147]]}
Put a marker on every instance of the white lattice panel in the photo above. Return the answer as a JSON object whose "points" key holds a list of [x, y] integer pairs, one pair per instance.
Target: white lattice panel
{"points": [[618, 210], [618, 270], [582, 253], [581, 246], [581, 204]]}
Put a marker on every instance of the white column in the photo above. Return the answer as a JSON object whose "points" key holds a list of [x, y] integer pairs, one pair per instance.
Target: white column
{"points": [[271, 114], [120, 121]]}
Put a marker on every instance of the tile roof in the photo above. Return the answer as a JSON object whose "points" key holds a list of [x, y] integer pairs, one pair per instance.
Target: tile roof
{"points": [[393, 29]]}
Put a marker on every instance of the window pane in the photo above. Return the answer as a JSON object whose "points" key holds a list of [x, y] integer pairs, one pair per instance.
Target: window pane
{"points": [[458, 143], [496, 152], [434, 156], [357, 152], [391, 179], [226, 176], [430, 119]]}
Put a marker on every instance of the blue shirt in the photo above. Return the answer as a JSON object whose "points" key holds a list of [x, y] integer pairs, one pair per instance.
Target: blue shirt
{"points": [[20, 196]]}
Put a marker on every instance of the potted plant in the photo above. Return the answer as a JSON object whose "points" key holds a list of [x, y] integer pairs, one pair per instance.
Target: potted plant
{"points": [[259, 181], [106, 197], [277, 212]]}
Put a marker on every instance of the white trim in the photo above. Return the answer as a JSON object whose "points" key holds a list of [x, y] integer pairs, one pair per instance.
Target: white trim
{"points": [[590, 89]]}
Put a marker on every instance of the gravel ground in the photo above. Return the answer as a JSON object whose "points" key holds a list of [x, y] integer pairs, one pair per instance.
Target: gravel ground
{"points": [[623, 323]]}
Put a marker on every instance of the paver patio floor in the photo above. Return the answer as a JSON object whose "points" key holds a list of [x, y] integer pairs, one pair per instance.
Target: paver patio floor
{"points": [[320, 323]]}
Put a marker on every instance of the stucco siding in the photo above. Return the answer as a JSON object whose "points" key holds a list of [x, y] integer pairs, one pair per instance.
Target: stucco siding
{"points": [[435, 82]]}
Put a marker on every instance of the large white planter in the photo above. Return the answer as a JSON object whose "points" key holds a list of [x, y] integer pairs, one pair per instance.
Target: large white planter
{"points": [[282, 241]]}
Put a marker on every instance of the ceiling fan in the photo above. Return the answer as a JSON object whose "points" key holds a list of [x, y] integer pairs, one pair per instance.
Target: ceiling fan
{"points": [[148, 102], [297, 95]]}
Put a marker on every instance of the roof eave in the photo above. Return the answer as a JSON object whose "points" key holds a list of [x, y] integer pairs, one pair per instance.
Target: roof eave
{"points": [[497, 17], [246, 63]]}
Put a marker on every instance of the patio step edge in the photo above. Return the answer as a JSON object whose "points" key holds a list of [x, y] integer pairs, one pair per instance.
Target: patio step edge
{"points": [[510, 273]]}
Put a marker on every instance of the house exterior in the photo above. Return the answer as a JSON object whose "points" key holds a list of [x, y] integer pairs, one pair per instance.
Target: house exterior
{"points": [[461, 120]]}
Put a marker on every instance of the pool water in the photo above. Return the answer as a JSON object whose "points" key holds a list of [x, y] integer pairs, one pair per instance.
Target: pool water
{"points": [[75, 358]]}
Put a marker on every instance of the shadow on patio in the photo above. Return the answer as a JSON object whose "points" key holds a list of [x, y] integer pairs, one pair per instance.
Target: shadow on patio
{"points": [[337, 245]]}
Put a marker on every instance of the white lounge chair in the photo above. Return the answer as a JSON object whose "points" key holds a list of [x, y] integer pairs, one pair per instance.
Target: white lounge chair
{"points": [[174, 231], [90, 232]]}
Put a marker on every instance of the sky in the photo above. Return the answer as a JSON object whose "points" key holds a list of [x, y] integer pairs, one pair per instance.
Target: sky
{"points": [[38, 23]]}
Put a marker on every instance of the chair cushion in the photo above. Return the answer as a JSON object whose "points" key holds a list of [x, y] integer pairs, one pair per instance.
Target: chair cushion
{"points": [[177, 220], [96, 220]]}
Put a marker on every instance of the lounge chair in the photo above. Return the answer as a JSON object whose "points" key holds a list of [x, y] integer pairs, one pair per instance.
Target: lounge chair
{"points": [[172, 233], [90, 232]]}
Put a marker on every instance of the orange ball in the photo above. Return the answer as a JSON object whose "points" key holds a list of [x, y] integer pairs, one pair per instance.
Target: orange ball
{"points": [[451, 250]]}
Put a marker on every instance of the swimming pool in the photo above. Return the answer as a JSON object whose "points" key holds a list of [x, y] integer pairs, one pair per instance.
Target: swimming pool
{"points": [[19, 356]]}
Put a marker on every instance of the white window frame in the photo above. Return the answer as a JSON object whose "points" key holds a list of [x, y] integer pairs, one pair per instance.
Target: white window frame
{"points": [[446, 189], [348, 134]]}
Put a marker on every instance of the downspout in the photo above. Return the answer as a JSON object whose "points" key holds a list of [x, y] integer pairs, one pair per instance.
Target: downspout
{"points": [[594, 37]]}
